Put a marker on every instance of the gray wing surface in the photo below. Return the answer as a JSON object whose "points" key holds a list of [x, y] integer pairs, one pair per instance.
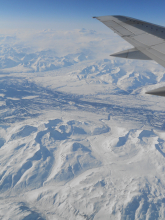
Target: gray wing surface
{"points": [[148, 39]]}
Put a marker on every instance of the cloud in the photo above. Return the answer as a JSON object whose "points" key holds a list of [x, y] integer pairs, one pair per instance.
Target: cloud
{"points": [[63, 42]]}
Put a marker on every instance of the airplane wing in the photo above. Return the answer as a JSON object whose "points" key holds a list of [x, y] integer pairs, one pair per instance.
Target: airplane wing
{"points": [[148, 40]]}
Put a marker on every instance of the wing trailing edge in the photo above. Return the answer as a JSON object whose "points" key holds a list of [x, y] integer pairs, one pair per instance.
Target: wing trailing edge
{"points": [[132, 53]]}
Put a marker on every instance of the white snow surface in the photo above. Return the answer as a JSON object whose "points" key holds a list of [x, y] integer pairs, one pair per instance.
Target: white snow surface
{"points": [[79, 138]]}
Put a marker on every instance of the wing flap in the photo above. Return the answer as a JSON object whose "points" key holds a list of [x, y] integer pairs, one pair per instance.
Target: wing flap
{"points": [[148, 39], [160, 48], [148, 51]]}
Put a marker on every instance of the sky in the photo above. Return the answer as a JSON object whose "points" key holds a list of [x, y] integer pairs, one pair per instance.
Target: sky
{"points": [[75, 14]]}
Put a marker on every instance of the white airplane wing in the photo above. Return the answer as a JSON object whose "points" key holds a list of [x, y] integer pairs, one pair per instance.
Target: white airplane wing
{"points": [[148, 40]]}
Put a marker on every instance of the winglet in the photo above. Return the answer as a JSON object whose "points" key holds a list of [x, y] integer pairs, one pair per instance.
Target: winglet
{"points": [[94, 17]]}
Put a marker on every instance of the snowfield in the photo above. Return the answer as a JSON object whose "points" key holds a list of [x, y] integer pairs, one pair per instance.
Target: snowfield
{"points": [[79, 138]]}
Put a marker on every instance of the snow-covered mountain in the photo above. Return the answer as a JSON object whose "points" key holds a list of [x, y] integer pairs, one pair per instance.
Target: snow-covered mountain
{"points": [[79, 139]]}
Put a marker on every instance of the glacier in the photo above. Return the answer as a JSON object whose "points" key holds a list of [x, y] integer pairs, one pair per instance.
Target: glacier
{"points": [[79, 138]]}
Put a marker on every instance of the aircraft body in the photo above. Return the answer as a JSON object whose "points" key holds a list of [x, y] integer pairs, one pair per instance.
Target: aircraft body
{"points": [[148, 40]]}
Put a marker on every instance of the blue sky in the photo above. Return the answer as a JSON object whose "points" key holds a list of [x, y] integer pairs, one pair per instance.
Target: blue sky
{"points": [[73, 14]]}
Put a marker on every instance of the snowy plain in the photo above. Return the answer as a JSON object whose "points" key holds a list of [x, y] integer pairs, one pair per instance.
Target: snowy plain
{"points": [[79, 138]]}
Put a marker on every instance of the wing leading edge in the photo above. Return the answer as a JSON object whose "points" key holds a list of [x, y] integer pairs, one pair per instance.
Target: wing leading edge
{"points": [[148, 40]]}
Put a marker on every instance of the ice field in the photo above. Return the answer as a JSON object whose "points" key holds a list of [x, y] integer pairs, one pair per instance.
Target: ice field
{"points": [[79, 138]]}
